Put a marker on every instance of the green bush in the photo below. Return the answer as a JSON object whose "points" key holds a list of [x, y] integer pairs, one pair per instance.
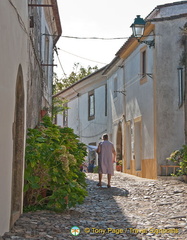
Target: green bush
{"points": [[180, 158], [95, 170], [52, 175], [119, 162]]}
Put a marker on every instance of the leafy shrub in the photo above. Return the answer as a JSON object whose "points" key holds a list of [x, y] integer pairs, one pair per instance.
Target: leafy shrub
{"points": [[176, 156], [119, 162], [95, 170], [52, 175], [180, 157]]}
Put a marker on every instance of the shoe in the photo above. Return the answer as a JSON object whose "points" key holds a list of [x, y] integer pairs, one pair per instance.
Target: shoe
{"points": [[99, 185], [108, 186]]}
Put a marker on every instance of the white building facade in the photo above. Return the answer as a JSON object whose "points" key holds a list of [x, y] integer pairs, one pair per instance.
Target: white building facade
{"points": [[154, 123], [114, 73], [18, 99], [145, 94], [87, 113]]}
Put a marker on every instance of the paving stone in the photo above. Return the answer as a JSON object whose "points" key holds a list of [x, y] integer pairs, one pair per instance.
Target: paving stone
{"points": [[132, 204]]}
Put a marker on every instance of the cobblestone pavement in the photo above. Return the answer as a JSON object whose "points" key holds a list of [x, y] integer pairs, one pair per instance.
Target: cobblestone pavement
{"points": [[133, 208]]}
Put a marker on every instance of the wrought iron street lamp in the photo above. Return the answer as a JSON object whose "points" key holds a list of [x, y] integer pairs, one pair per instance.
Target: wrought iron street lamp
{"points": [[138, 28]]}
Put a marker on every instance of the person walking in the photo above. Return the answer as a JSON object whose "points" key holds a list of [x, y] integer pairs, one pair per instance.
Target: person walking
{"points": [[98, 150], [106, 158]]}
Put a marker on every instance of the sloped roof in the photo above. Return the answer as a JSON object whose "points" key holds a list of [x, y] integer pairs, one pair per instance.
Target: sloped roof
{"points": [[167, 5], [131, 39], [57, 19], [110, 65]]}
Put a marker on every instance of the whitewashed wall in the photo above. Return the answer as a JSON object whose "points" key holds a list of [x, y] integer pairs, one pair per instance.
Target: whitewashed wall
{"points": [[115, 104], [139, 99], [89, 131], [169, 118], [73, 115], [45, 26], [13, 50]]}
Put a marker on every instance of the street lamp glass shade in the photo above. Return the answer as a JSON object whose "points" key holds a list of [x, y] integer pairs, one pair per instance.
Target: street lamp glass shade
{"points": [[138, 27], [138, 31]]}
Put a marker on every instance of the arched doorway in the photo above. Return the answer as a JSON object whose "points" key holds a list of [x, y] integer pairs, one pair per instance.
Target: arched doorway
{"points": [[18, 149], [119, 143]]}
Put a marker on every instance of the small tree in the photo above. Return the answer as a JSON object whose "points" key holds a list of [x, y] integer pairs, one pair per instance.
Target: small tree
{"points": [[78, 73], [58, 106]]}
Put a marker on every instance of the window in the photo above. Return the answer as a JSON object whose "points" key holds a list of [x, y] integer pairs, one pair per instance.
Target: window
{"points": [[143, 66], [143, 70], [65, 116], [115, 87], [91, 105], [181, 86]]}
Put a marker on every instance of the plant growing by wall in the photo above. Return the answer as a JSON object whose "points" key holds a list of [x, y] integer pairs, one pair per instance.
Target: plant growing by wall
{"points": [[52, 175], [58, 106], [180, 157], [119, 162]]}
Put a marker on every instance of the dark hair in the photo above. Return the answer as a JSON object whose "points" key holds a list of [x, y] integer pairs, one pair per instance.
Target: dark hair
{"points": [[105, 136]]}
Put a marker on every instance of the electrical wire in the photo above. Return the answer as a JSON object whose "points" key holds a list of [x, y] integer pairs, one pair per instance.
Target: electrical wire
{"points": [[19, 18], [81, 57], [56, 50], [90, 38], [100, 133], [96, 38]]}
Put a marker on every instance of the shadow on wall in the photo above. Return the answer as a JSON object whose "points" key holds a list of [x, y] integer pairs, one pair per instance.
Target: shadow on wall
{"points": [[18, 149]]}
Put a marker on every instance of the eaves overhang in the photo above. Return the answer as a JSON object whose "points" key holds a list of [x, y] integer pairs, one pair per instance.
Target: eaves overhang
{"points": [[111, 65], [131, 44], [157, 8], [57, 20]]}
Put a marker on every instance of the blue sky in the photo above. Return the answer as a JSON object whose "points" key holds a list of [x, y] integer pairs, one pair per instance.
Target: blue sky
{"points": [[98, 18]]}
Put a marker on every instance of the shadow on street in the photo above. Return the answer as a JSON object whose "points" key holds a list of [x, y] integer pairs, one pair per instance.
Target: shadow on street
{"points": [[99, 217]]}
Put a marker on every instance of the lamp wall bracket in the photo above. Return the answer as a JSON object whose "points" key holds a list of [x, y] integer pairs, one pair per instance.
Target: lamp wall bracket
{"points": [[150, 43], [123, 92]]}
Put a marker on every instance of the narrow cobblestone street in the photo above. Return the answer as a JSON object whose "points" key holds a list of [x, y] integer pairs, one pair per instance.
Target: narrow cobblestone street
{"points": [[133, 208]]}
